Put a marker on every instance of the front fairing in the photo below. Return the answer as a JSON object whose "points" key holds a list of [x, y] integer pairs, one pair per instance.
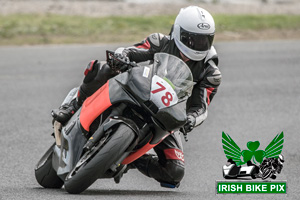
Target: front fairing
{"points": [[67, 155], [161, 88], [137, 82]]}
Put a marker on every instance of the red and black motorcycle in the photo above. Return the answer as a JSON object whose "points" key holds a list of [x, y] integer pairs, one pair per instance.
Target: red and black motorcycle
{"points": [[129, 115]]}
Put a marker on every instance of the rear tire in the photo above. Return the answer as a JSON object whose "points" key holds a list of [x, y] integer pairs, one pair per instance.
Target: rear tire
{"points": [[45, 175], [80, 179]]}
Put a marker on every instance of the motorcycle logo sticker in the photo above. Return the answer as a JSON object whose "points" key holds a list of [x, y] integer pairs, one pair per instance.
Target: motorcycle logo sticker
{"points": [[203, 26], [146, 72], [259, 163]]}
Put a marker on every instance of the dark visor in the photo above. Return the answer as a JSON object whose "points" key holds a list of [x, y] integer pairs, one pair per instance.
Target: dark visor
{"points": [[198, 42]]}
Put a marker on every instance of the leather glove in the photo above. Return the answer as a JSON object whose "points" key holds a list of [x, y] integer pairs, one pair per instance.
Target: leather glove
{"points": [[119, 62], [190, 123]]}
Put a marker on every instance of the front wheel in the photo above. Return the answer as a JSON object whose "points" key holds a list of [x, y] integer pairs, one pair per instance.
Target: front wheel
{"points": [[93, 165], [45, 175], [266, 173]]}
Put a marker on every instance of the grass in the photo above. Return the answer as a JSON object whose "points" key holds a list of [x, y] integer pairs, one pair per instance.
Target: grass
{"points": [[257, 22], [57, 29]]}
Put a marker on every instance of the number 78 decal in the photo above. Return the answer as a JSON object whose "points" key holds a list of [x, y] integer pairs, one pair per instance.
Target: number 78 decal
{"points": [[162, 93]]}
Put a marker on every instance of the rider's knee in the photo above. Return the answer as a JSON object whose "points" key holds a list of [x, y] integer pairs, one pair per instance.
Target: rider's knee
{"points": [[91, 71], [105, 73], [175, 171]]}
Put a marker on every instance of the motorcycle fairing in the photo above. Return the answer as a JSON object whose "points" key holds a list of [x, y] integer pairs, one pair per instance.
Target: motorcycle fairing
{"points": [[170, 116], [110, 93], [134, 83], [94, 105], [138, 84], [66, 156], [158, 136], [135, 155]]}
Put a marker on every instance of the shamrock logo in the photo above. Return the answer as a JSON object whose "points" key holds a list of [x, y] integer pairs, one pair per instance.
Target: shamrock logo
{"points": [[257, 156], [233, 151]]}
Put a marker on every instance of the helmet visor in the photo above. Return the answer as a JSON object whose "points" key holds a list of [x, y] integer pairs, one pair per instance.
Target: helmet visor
{"points": [[195, 41]]}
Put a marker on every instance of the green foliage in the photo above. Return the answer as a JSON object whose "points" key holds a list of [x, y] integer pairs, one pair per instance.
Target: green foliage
{"points": [[49, 28], [256, 22]]}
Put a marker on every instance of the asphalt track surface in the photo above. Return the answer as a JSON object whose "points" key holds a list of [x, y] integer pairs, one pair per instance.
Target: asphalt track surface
{"points": [[258, 98]]}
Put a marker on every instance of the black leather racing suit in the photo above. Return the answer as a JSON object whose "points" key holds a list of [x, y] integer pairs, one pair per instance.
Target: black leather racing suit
{"points": [[168, 166]]}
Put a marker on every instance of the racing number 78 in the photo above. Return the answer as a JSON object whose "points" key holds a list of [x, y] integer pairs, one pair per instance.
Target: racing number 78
{"points": [[167, 98]]}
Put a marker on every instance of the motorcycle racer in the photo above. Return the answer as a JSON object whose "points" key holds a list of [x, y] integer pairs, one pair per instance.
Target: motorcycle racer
{"points": [[191, 40]]}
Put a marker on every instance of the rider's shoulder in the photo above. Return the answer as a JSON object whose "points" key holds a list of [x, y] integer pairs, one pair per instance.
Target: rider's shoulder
{"points": [[157, 38], [212, 56], [213, 74]]}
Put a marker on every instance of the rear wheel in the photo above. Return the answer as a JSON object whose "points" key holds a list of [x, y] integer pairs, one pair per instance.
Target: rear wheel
{"points": [[96, 162], [45, 175]]}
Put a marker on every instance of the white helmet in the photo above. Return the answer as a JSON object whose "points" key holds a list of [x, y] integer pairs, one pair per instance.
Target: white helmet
{"points": [[193, 32]]}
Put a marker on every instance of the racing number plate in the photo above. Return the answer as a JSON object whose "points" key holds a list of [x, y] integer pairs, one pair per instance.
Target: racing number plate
{"points": [[162, 93]]}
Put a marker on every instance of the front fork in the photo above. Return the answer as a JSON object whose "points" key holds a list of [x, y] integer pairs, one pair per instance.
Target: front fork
{"points": [[57, 133], [57, 125]]}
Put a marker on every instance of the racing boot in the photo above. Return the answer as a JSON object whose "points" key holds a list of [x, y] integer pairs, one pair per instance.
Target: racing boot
{"points": [[168, 175], [66, 111]]}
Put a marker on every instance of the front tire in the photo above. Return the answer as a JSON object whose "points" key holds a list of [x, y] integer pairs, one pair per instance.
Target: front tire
{"points": [[45, 175], [266, 173], [84, 175]]}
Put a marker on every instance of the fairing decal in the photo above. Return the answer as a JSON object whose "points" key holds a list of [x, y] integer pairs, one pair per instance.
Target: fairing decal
{"points": [[162, 93], [94, 106], [135, 155]]}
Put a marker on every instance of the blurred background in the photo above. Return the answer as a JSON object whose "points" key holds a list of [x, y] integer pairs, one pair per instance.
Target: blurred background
{"points": [[45, 45], [99, 21]]}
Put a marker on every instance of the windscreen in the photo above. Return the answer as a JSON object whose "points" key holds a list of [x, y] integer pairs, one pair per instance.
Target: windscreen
{"points": [[174, 71]]}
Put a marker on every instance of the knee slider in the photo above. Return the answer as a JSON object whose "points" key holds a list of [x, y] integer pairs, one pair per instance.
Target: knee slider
{"points": [[175, 172], [91, 71]]}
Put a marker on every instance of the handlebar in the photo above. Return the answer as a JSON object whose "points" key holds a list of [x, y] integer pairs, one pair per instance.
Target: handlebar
{"points": [[112, 59]]}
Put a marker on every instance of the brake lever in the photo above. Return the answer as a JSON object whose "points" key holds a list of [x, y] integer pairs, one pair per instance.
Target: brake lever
{"points": [[185, 135], [110, 57]]}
